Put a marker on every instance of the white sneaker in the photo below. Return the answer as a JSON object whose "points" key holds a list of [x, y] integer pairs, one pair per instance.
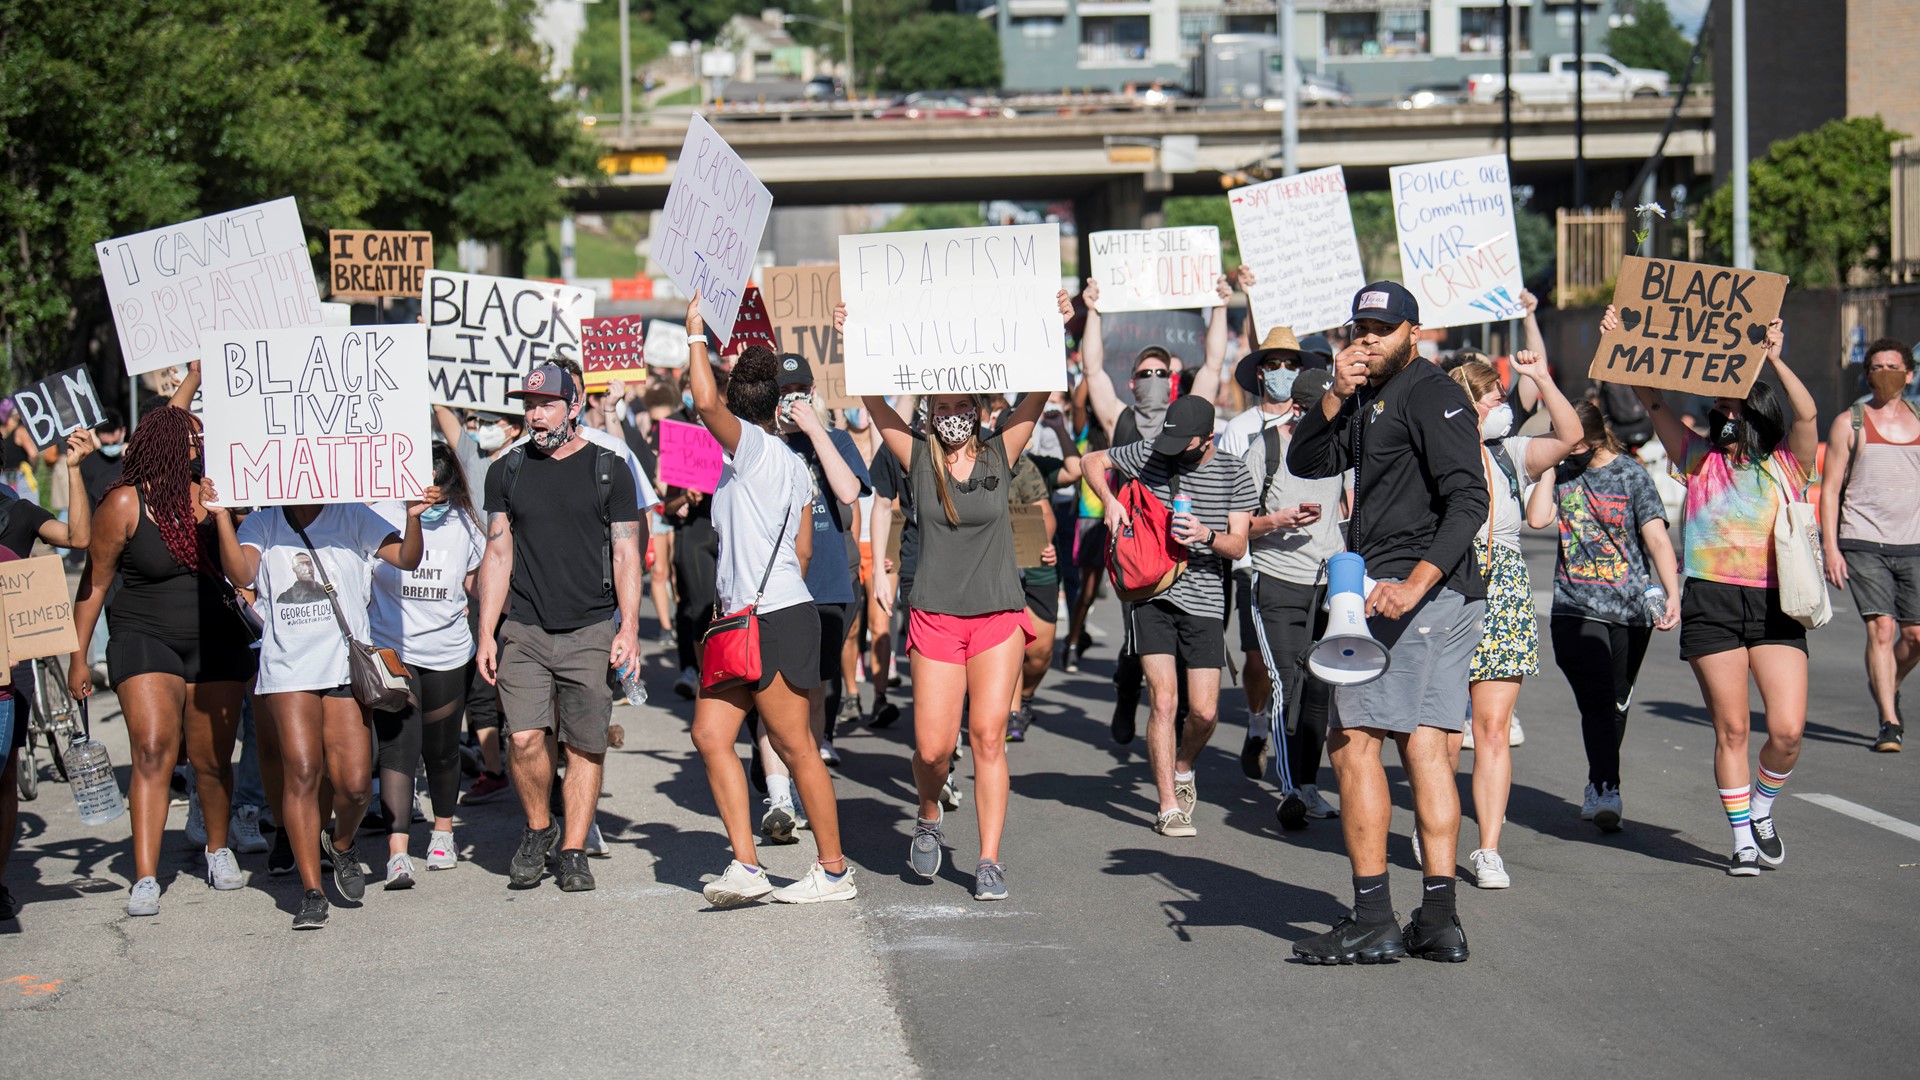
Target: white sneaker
{"points": [[223, 870], [442, 854], [1515, 733], [1489, 871], [950, 795], [145, 897], [817, 888], [400, 872], [597, 846], [196, 819], [1466, 742], [243, 831], [1589, 803], [1317, 806], [1608, 811], [739, 885], [827, 753]]}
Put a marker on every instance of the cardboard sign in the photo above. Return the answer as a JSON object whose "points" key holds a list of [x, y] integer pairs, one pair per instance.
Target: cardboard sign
{"points": [[366, 264], [1297, 234], [1689, 327], [1182, 333], [709, 234], [485, 333], [830, 387], [33, 593], [690, 457], [1030, 537], [1156, 269], [318, 415], [59, 405], [1458, 249], [667, 345], [612, 347], [800, 303], [246, 269], [947, 311], [753, 326]]}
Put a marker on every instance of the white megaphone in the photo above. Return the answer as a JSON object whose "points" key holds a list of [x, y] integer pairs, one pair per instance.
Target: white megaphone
{"points": [[1347, 654]]}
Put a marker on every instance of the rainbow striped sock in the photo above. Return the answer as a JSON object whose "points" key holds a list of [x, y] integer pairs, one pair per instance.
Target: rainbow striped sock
{"points": [[1736, 802], [1766, 788]]}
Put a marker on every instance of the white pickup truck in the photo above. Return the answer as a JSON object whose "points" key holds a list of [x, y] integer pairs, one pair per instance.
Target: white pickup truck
{"points": [[1605, 79]]}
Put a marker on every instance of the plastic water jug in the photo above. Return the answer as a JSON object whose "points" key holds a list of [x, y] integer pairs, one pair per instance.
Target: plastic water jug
{"points": [[96, 790]]}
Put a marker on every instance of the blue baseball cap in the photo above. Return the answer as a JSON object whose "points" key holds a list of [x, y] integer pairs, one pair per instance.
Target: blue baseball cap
{"points": [[1387, 302]]}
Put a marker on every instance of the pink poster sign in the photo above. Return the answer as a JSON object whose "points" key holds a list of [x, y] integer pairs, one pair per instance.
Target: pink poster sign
{"points": [[689, 456]]}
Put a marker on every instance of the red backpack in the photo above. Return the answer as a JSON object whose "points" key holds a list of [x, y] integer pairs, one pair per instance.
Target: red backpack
{"points": [[1144, 560]]}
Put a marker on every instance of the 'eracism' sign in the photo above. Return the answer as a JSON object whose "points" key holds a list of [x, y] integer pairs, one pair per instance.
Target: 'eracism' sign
{"points": [[1686, 326], [485, 333]]}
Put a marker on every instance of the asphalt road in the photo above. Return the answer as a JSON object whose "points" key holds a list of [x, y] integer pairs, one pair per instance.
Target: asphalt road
{"points": [[1119, 953]]}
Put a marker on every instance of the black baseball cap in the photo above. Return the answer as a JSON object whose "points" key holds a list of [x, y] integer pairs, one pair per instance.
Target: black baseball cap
{"points": [[1315, 351], [794, 369], [1186, 417], [1311, 386], [548, 380], [1386, 301]]}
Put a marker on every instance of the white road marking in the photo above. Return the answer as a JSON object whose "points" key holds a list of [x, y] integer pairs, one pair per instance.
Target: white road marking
{"points": [[1864, 813]]}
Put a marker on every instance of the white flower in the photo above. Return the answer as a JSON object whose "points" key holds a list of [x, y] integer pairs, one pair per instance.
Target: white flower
{"points": [[1653, 208]]}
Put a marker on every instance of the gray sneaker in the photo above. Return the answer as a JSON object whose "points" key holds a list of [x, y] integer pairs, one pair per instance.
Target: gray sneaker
{"points": [[349, 876], [924, 854], [145, 897], [530, 861], [223, 870], [989, 881]]}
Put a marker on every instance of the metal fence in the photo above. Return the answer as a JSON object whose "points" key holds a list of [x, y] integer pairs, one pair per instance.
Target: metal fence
{"points": [[1904, 259], [1590, 245]]}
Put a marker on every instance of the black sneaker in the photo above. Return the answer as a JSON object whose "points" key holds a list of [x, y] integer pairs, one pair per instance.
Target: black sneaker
{"points": [[313, 911], [1744, 863], [574, 875], [1122, 726], [1255, 755], [1888, 741], [1773, 851], [280, 861], [1351, 942], [348, 875], [8, 906], [884, 714], [531, 860], [1292, 812], [1017, 725], [1446, 943]]}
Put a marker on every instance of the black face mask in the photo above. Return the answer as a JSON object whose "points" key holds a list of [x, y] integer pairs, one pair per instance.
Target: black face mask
{"points": [[1192, 457], [196, 469], [1727, 430], [1582, 460]]}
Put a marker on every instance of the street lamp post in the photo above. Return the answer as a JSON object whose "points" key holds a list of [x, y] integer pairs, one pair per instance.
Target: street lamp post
{"points": [[1290, 93], [626, 77]]}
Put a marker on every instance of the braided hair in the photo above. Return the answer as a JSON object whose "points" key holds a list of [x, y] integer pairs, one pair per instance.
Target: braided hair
{"points": [[158, 466]]}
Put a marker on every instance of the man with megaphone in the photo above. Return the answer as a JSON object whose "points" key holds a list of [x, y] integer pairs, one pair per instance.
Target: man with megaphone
{"points": [[1412, 438]]}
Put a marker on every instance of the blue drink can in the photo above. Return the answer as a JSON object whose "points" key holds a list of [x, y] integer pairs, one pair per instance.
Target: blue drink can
{"points": [[1182, 505]]}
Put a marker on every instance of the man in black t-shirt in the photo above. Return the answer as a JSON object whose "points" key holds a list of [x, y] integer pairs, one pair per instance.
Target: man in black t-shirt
{"points": [[563, 541]]}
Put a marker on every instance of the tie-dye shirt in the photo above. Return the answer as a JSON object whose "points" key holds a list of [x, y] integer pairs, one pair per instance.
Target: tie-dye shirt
{"points": [[1730, 512]]}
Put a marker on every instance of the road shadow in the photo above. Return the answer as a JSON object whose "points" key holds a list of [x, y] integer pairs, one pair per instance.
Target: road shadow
{"points": [[1696, 715], [1547, 814], [1217, 894]]}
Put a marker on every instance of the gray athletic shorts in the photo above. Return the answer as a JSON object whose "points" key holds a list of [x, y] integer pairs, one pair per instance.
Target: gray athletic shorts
{"points": [[557, 679], [1426, 681], [1884, 584]]}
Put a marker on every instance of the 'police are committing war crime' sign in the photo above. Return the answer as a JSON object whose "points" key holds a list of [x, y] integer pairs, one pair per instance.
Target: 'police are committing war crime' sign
{"points": [[1690, 327]]}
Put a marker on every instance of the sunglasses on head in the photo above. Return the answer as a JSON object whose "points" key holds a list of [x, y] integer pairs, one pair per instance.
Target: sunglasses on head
{"points": [[1154, 373]]}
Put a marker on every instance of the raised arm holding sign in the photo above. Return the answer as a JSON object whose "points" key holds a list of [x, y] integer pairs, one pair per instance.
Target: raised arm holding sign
{"points": [[709, 234], [1690, 327]]}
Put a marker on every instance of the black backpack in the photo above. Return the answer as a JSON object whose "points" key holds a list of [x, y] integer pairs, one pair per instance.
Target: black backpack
{"points": [[604, 462]]}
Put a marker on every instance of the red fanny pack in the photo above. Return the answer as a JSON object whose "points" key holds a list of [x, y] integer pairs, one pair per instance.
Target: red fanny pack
{"points": [[730, 649]]}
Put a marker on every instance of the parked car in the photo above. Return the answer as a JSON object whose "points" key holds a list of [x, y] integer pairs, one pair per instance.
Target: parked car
{"points": [[1252, 68], [1437, 96], [1605, 79], [941, 105]]}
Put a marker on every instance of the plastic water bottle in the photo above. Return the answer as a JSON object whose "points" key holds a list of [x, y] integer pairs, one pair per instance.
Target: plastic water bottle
{"points": [[631, 685], [1656, 600], [96, 791]]}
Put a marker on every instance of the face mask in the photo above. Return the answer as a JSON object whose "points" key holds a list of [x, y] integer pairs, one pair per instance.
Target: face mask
{"points": [[1725, 429], [686, 399], [1498, 422], [954, 428], [1428, 350], [856, 419], [1192, 457], [1887, 382], [113, 450], [433, 514], [491, 437], [549, 441], [1581, 459], [1153, 393], [196, 469], [1278, 383], [1055, 409], [790, 402]]}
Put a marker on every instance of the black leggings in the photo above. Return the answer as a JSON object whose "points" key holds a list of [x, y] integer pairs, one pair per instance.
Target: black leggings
{"points": [[1292, 626], [431, 731], [1601, 661], [696, 568]]}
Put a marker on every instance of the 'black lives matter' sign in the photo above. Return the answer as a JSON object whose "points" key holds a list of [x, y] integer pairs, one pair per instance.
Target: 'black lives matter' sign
{"points": [[1690, 327]]}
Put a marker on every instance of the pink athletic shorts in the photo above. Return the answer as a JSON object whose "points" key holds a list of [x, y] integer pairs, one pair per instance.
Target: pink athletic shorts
{"points": [[956, 639]]}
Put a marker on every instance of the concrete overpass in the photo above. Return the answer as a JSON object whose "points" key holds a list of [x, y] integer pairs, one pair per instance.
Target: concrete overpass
{"points": [[1104, 158]]}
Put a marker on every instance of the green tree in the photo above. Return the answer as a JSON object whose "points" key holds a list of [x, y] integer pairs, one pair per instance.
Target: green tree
{"points": [[596, 56], [874, 23], [1817, 204], [1651, 40], [936, 216], [941, 52], [1188, 210]]}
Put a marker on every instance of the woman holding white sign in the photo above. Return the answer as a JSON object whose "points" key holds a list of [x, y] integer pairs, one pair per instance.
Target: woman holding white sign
{"points": [[969, 628], [1755, 458]]}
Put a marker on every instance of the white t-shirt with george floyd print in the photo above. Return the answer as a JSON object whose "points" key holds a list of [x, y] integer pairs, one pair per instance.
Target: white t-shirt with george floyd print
{"points": [[301, 648]]}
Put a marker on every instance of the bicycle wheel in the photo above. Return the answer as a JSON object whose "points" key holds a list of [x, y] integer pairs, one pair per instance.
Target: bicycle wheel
{"points": [[29, 778], [58, 712]]}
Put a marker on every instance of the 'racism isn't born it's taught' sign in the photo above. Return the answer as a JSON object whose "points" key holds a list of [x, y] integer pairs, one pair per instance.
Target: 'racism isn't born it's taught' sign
{"points": [[1686, 326], [317, 415], [709, 234], [485, 333], [246, 269]]}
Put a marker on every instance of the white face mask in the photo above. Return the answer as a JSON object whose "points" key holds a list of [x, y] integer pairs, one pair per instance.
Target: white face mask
{"points": [[491, 437], [1498, 422]]}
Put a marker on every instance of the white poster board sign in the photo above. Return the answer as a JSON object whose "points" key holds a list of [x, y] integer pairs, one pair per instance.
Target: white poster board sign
{"points": [[953, 311], [709, 234], [246, 269], [317, 415], [1297, 234], [1458, 249], [485, 333], [1156, 269], [666, 344]]}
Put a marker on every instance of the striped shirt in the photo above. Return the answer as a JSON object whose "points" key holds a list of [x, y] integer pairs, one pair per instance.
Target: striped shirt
{"points": [[1219, 487]]}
